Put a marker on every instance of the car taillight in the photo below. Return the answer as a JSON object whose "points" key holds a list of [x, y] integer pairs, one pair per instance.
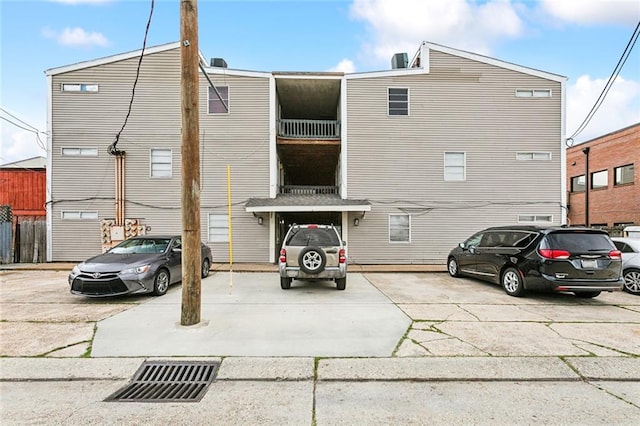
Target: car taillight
{"points": [[283, 256], [615, 254], [312, 226], [343, 257], [554, 254]]}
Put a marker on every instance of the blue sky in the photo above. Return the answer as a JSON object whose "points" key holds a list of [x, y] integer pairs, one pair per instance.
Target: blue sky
{"points": [[580, 39]]}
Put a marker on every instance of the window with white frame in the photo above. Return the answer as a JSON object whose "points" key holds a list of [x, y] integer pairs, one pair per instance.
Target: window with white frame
{"points": [[533, 93], [398, 101], [216, 106], [535, 218], [533, 156], [454, 166], [79, 152], [80, 87], [160, 162], [218, 228], [79, 215], [399, 228]]}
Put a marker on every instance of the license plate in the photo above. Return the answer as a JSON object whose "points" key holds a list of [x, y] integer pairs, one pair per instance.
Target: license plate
{"points": [[590, 264]]}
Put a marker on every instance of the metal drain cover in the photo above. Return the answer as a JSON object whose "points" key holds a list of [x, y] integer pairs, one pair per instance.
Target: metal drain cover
{"points": [[168, 381]]}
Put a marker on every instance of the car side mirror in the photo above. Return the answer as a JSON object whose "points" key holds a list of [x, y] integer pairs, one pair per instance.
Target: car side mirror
{"points": [[462, 245]]}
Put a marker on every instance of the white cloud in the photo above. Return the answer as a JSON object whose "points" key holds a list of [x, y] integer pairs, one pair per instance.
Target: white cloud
{"points": [[401, 26], [18, 144], [346, 66], [76, 37], [620, 108], [594, 11]]}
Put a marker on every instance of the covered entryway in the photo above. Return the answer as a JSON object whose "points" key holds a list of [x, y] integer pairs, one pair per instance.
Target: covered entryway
{"points": [[287, 209]]}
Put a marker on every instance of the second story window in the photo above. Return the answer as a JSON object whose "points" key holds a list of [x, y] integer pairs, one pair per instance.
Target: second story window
{"points": [[160, 163], [623, 174], [215, 104], [599, 179], [577, 183], [398, 101]]}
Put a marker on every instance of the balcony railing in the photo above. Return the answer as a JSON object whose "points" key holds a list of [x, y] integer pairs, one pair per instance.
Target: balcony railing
{"points": [[308, 190], [309, 129]]}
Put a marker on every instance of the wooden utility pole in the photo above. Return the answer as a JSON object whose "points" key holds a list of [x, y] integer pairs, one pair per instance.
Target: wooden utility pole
{"points": [[191, 252]]}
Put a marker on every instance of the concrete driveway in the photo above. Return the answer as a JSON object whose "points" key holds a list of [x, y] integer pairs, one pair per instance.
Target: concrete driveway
{"points": [[380, 314], [440, 351]]}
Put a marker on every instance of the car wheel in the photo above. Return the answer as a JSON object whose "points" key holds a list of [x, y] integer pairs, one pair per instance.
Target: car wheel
{"points": [[586, 294], [312, 260], [161, 282], [512, 282], [452, 267], [341, 283], [205, 268], [632, 281], [285, 283]]}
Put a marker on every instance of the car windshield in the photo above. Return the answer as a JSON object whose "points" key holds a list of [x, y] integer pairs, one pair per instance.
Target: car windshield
{"points": [[141, 246], [314, 237], [575, 242]]}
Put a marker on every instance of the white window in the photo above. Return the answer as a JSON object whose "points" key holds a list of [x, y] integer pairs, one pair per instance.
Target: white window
{"points": [[533, 156], [79, 87], [398, 101], [454, 166], [533, 93], [399, 228], [218, 228], [79, 215], [80, 152], [215, 104], [160, 162], [535, 218]]}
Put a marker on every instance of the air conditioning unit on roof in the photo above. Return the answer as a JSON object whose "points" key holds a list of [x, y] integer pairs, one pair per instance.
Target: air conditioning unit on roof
{"points": [[399, 60]]}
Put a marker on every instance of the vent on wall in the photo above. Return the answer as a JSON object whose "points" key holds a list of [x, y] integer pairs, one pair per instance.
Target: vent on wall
{"points": [[399, 60], [218, 62]]}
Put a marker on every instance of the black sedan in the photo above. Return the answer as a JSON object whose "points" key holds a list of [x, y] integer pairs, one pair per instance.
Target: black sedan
{"points": [[146, 264]]}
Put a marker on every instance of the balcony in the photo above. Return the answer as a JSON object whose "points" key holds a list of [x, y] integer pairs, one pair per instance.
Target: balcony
{"points": [[309, 129], [309, 190]]}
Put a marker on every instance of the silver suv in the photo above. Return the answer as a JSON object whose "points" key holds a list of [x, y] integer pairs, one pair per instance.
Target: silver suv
{"points": [[313, 252]]}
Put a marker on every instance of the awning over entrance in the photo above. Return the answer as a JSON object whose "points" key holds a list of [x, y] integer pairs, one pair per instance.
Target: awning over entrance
{"points": [[306, 203]]}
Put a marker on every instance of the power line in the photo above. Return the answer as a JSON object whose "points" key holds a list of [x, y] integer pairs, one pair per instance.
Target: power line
{"points": [[112, 148], [21, 121], [612, 78]]}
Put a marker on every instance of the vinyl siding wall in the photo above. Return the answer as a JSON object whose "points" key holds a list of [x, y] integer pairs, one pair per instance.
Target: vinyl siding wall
{"points": [[93, 120], [398, 162]]}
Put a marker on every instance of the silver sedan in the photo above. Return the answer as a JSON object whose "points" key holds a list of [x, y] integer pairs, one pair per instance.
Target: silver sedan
{"points": [[630, 248]]}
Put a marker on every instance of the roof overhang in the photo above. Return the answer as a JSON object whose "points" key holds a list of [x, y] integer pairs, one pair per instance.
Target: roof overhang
{"points": [[306, 203]]}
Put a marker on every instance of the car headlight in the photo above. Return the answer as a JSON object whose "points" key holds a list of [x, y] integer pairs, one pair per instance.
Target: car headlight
{"points": [[137, 270], [75, 271]]}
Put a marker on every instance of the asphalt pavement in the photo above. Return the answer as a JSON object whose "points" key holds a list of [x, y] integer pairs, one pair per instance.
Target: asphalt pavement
{"points": [[410, 346]]}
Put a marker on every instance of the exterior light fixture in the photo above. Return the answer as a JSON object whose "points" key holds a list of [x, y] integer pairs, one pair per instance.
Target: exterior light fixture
{"points": [[356, 221]]}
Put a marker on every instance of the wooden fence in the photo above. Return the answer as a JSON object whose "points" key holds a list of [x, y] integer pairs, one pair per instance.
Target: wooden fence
{"points": [[32, 242]]}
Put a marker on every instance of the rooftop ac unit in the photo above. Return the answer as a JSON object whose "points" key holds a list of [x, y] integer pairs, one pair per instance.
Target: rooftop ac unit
{"points": [[399, 60], [218, 62]]}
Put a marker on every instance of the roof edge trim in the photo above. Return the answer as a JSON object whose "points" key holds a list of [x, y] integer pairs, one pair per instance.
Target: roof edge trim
{"points": [[493, 61], [112, 58]]}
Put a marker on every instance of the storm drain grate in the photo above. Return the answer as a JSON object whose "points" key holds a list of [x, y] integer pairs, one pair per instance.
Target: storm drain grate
{"points": [[168, 381]]}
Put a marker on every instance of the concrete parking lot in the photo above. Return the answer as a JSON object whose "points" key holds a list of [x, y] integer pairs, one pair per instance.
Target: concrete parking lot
{"points": [[394, 347]]}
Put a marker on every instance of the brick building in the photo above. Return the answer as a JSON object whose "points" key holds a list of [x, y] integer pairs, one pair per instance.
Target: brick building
{"points": [[613, 195]]}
